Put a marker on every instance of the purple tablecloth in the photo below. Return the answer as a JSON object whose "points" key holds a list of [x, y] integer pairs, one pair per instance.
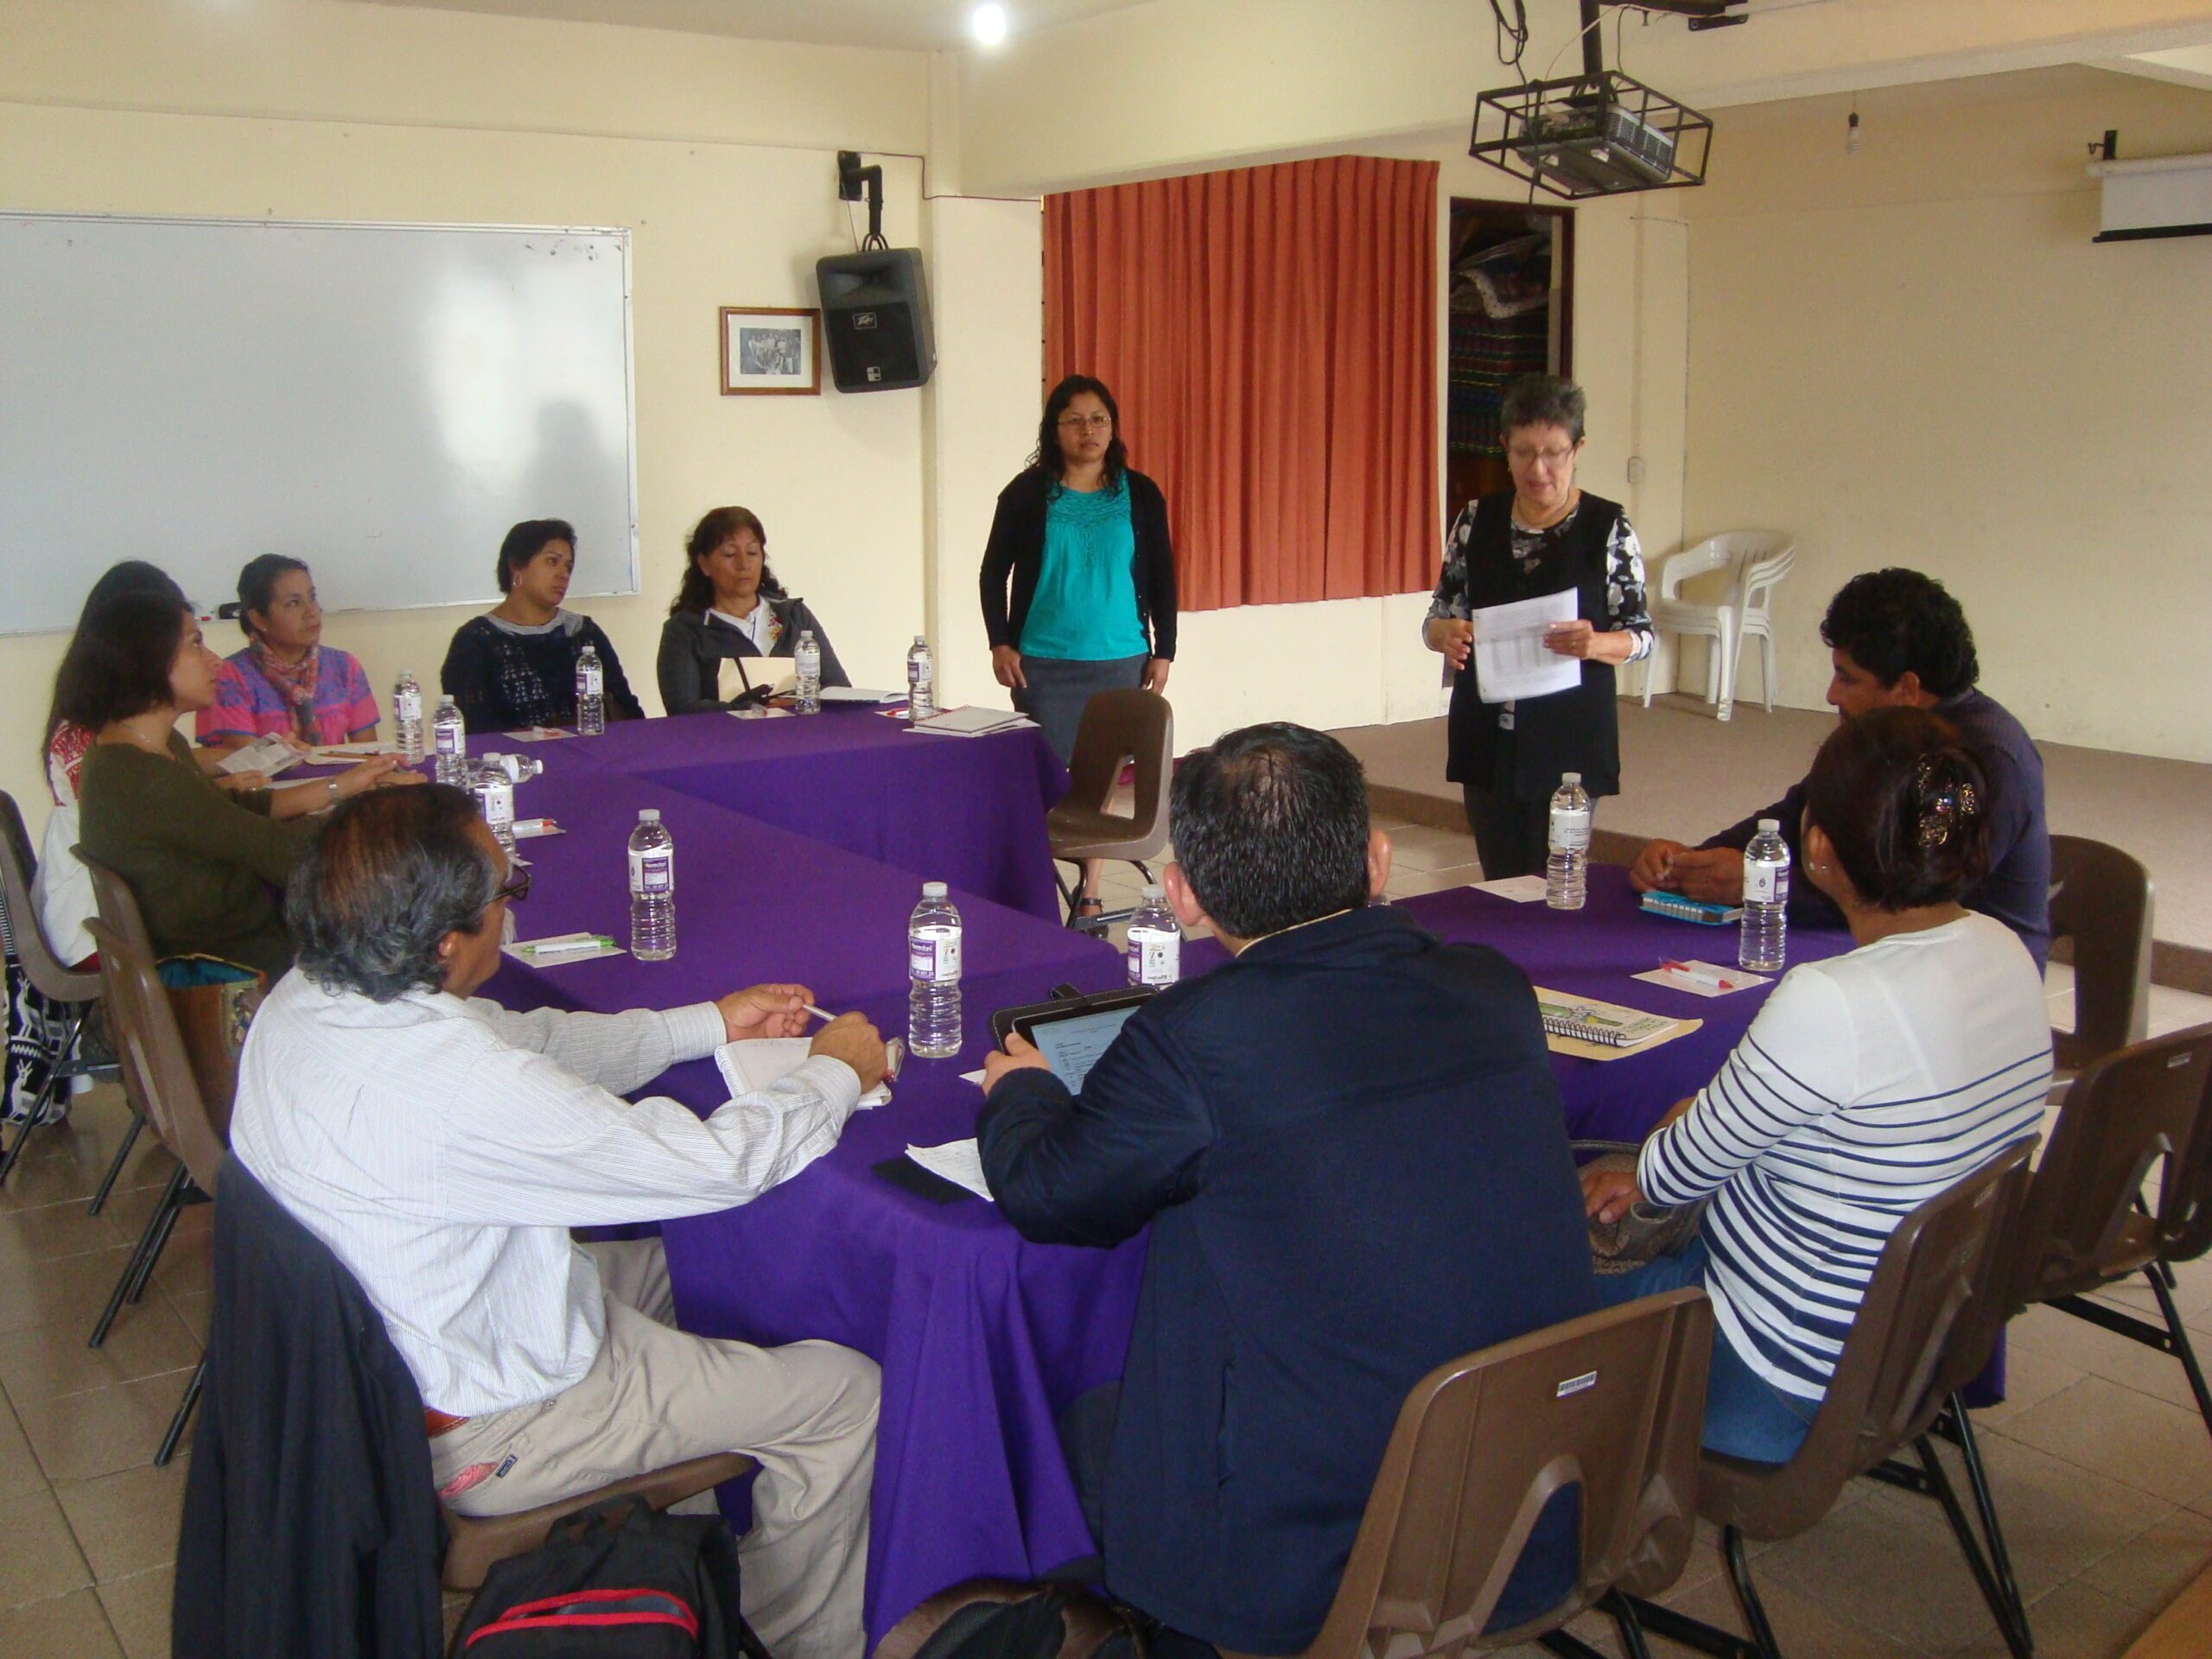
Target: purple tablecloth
{"points": [[982, 1338], [969, 811]]}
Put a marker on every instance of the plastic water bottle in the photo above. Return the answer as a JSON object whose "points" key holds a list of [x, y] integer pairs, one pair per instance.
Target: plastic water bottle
{"points": [[921, 681], [1155, 949], [1566, 872], [933, 977], [652, 889], [407, 716], [450, 740], [1765, 937], [494, 787], [806, 665], [591, 693]]}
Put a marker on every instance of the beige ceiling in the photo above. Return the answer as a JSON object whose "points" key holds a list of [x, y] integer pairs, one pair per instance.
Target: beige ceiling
{"points": [[909, 24]]}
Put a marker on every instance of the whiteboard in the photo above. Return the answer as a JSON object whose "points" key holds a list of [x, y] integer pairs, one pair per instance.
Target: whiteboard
{"points": [[380, 400]]}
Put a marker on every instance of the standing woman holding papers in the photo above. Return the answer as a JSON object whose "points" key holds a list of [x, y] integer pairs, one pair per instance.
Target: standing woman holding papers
{"points": [[286, 681], [1544, 539], [1083, 535], [730, 606]]}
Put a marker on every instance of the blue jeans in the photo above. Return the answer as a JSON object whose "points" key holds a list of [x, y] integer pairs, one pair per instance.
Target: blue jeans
{"points": [[1746, 1415]]}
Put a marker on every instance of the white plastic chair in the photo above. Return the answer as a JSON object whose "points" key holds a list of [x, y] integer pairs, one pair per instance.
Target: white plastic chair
{"points": [[1758, 560]]}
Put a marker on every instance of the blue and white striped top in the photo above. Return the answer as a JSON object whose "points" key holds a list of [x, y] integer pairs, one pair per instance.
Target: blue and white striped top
{"points": [[1868, 1085]]}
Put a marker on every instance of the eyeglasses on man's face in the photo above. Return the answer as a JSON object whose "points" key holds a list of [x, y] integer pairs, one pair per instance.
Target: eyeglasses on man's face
{"points": [[516, 887], [1086, 423]]}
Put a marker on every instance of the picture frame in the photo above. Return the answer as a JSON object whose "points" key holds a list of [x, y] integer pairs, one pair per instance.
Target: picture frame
{"points": [[771, 351]]}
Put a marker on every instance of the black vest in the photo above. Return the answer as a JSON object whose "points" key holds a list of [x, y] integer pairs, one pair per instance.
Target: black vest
{"points": [[1576, 730]]}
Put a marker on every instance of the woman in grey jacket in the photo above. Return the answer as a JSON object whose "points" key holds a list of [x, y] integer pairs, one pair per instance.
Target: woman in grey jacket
{"points": [[730, 605]]}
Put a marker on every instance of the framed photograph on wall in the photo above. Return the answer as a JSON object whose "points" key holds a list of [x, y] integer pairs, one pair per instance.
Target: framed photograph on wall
{"points": [[770, 349]]}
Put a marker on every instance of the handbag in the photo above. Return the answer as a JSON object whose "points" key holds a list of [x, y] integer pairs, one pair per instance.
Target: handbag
{"points": [[1648, 1230]]}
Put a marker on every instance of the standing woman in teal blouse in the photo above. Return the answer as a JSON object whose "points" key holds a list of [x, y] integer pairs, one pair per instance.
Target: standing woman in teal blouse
{"points": [[1084, 538]]}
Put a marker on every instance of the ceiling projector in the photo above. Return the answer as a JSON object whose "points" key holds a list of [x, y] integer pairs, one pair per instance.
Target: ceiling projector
{"points": [[1602, 132]]}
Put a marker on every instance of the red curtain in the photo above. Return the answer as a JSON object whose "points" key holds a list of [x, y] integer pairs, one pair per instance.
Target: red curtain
{"points": [[1269, 334]]}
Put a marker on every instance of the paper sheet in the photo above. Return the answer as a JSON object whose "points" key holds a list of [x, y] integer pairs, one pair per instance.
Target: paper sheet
{"points": [[1697, 980], [754, 1064], [960, 1162], [1520, 889], [1510, 661], [269, 755], [537, 735]]}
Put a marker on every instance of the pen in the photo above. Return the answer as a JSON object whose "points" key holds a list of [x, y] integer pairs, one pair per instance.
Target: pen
{"points": [[1699, 976], [563, 947], [819, 1013]]}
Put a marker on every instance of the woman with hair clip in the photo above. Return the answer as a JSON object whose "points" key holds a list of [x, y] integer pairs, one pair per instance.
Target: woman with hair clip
{"points": [[286, 681], [1084, 537], [730, 606], [1868, 1085], [206, 868]]}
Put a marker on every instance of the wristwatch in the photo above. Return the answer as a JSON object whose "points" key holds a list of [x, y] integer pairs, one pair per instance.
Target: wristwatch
{"points": [[332, 783]]}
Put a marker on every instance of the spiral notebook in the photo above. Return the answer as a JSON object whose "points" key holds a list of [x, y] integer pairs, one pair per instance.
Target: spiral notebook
{"points": [[1602, 1030]]}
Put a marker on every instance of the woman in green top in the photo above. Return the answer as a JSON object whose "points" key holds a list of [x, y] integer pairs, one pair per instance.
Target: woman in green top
{"points": [[1084, 537], [207, 869]]}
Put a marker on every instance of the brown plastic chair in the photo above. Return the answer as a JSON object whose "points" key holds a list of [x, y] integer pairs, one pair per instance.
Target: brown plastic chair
{"points": [[1612, 1400], [53, 979], [1882, 1399], [157, 1070], [2087, 1226], [2100, 899], [1119, 727], [478, 1541], [157, 1077]]}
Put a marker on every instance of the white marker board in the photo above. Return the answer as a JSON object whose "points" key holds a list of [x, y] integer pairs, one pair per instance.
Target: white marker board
{"points": [[380, 400]]}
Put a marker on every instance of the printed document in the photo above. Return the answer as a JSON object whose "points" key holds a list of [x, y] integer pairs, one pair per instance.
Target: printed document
{"points": [[1510, 661]]}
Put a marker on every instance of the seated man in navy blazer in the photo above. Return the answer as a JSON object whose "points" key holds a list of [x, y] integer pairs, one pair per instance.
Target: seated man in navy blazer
{"points": [[1350, 1151]]}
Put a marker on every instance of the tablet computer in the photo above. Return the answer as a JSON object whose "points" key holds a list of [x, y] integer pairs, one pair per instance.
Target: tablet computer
{"points": [[1071, 1032]]}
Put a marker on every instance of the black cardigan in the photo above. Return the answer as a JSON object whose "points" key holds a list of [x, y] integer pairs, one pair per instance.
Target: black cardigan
{"points": [[1017, 546], [693, 646]]}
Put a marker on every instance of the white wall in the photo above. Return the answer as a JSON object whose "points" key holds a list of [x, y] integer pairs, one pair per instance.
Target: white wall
{"points": [[1916, 355], [718, 155]]}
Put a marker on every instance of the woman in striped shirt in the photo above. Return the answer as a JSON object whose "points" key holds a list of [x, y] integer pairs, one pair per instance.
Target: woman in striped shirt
{"points": [[1868, 1085]]}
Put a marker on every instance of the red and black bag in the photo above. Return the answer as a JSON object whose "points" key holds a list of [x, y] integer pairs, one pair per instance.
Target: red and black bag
{"points": [[616, 1581]]}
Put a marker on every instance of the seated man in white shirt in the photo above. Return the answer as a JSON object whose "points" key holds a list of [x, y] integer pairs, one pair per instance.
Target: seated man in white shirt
{"points": [[443, 1146]]}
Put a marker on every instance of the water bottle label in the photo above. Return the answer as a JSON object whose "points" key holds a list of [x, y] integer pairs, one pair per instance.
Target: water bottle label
{"points": [[448, 739], [1571, 830], [652, 873], [496, 801], [1155, 958], [1764, 883], [934, 956], [587, 679], [407, 706]]}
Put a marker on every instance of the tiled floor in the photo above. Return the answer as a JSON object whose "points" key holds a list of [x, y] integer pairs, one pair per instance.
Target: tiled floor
{"points": [[2103, 1468]]}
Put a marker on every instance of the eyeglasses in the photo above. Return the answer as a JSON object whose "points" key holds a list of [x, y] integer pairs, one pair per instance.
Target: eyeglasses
{"points": [[1554, 458], [516, 887], [1086, 423]]}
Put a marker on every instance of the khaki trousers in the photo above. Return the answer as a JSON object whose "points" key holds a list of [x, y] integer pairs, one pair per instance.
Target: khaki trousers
{"points": [[655, 1396]]}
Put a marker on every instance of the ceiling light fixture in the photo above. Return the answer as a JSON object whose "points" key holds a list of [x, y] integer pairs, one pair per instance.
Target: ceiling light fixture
{"points": [[989, 23]]}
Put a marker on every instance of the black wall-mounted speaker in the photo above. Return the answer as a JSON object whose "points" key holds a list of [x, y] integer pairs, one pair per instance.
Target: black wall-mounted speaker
{"points": [[876, 319]]}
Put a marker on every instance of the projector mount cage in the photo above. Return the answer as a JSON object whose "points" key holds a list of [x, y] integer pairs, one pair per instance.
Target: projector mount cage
{"points": [[1602, 132]]}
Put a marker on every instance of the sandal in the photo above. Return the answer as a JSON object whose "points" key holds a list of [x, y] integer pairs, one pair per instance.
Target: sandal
{"points": [[1089, 916]]}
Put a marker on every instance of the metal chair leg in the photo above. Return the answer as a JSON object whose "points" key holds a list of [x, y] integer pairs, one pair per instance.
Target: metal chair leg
{"points": [[183, 1414], [2015, 1635], [1747, 1594], [2184, 1349], [171, 1197], [1624, 1620], [2001, 1559], [161, 1243], [115, 1164]]}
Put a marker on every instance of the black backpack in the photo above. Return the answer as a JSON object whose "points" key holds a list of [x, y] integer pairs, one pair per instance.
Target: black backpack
{"points": [[618, 1580], [1004, 1618]]}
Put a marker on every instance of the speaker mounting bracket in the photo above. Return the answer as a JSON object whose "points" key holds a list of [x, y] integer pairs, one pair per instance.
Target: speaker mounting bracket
{"points": [[851, 179]]}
